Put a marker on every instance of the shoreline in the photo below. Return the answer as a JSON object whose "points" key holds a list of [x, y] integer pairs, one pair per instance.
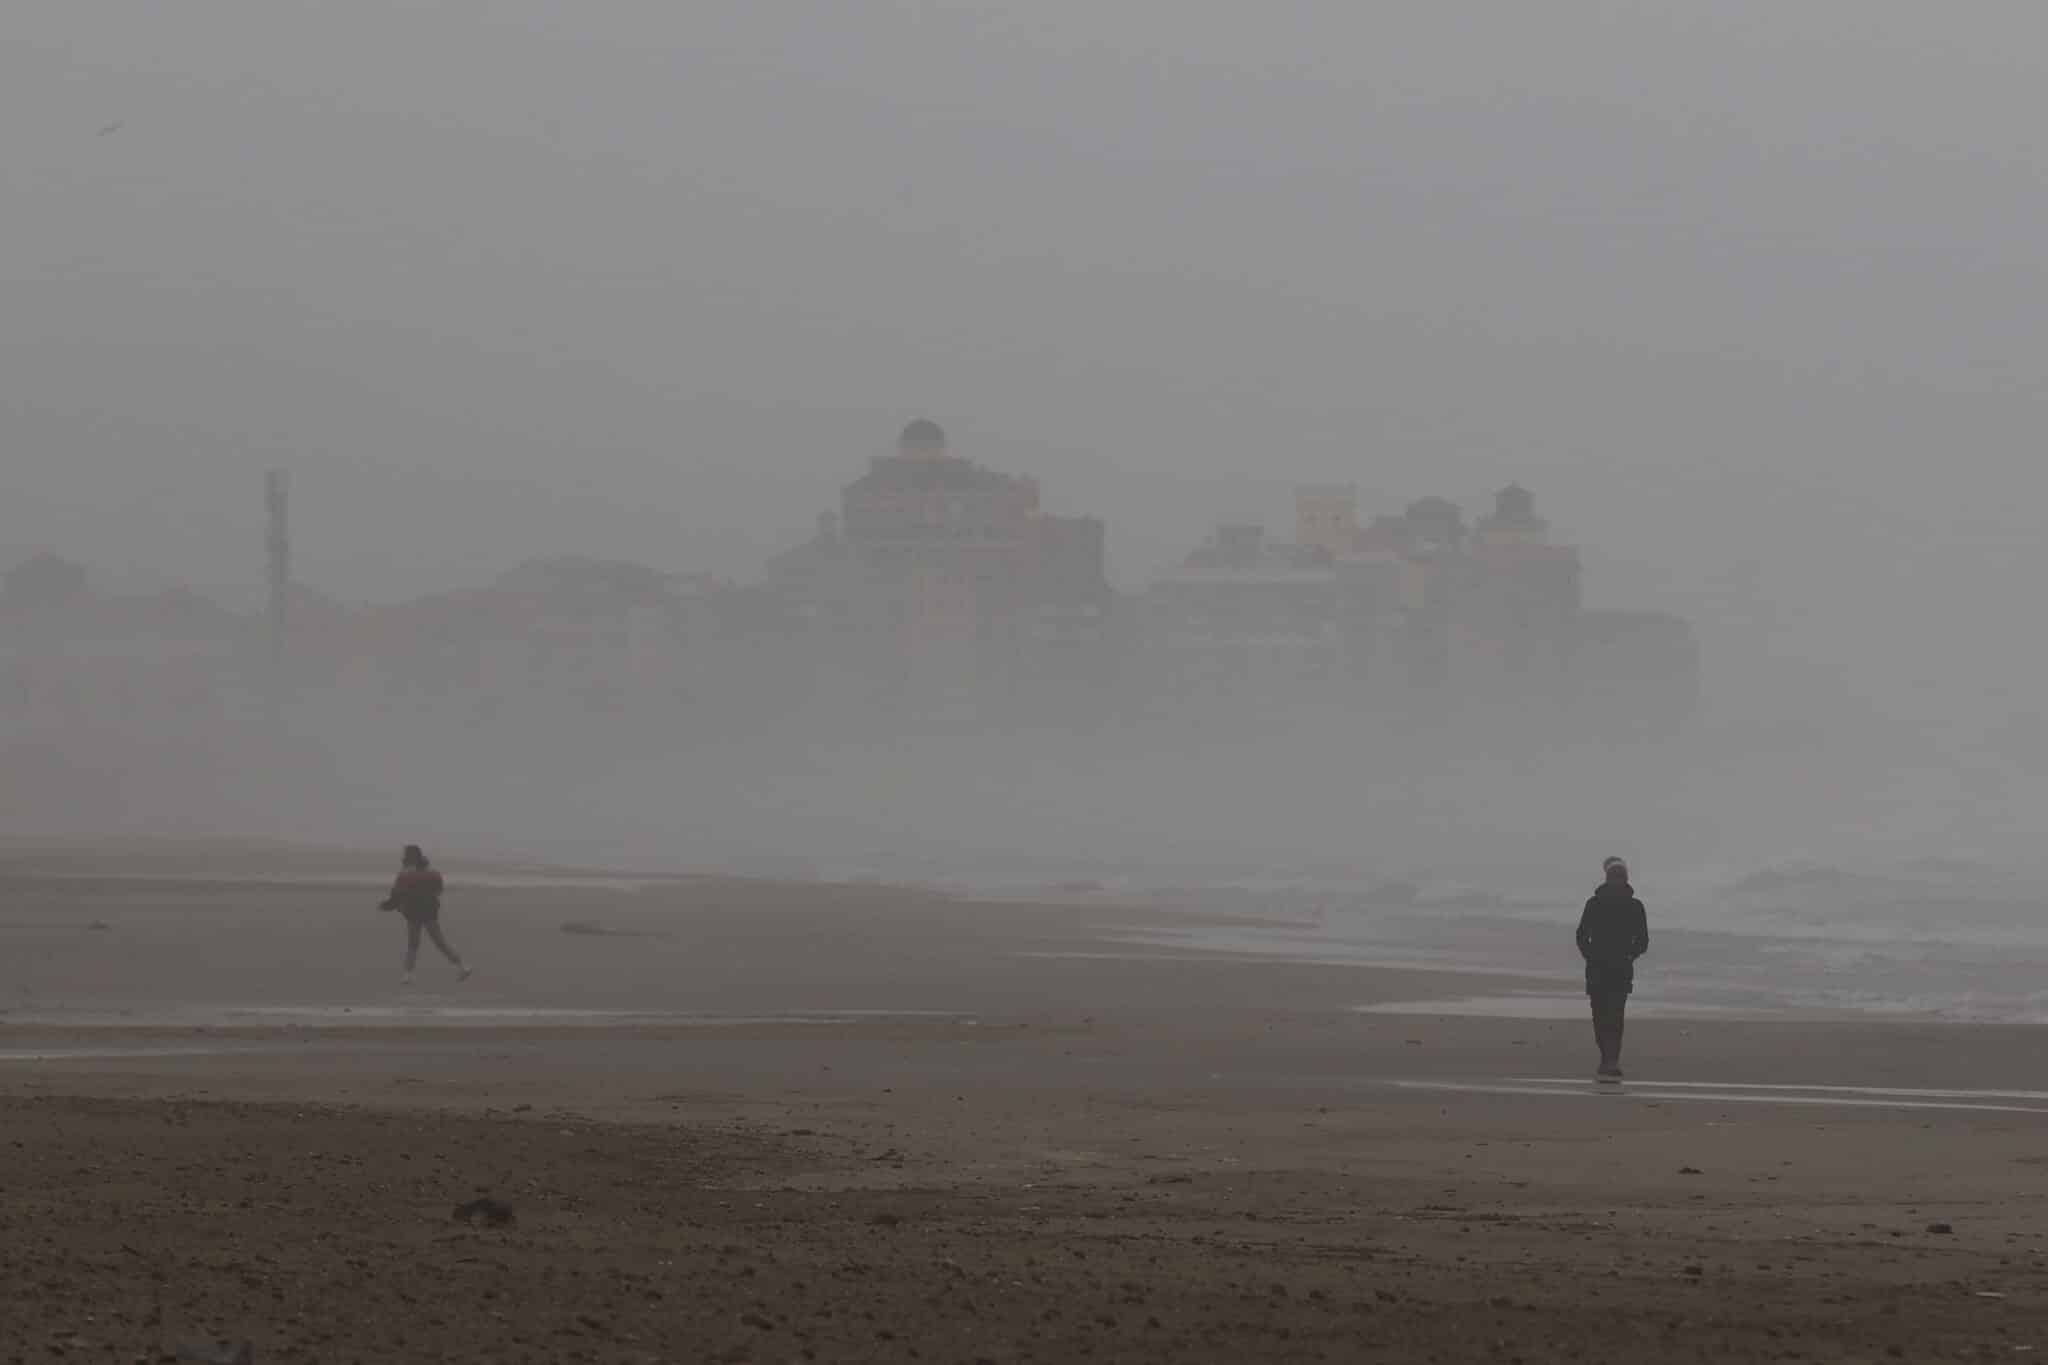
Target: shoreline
{"points": [[1502, 960]]}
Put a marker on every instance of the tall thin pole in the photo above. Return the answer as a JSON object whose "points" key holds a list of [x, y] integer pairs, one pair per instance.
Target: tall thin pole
{"points": [[278, 543]]}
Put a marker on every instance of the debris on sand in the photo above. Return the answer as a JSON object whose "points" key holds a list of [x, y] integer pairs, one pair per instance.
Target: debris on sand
{"points": [[1941, 1229], [1690, 1170], [223, 1353], [494, 1212], [590, 928]]}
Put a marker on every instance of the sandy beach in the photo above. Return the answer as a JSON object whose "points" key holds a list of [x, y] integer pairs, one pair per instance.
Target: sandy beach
{"points": [[751, 1121]]}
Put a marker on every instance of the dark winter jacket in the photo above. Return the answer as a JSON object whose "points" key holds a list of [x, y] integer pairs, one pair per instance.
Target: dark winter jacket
{"points": [[416, 894], [1613, 931]]}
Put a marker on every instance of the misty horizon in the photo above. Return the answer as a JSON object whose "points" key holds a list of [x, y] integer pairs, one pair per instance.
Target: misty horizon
{"points": [[1750, 299]]}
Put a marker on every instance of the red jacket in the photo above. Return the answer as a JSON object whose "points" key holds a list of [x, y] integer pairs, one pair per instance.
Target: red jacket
{"points": [[416, 893]]}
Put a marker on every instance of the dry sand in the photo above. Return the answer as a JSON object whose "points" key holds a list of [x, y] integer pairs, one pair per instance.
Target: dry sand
{"points": [[756, 1122]]}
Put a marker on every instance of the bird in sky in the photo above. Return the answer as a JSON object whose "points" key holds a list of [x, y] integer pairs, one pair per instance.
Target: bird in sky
{"points": [[116, 126]]}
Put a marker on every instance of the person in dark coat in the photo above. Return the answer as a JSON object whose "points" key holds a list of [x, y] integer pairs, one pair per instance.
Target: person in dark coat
{"points": [[1613, 933], [417, 896]]}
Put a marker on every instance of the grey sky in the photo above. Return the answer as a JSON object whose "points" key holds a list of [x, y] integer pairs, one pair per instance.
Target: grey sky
{"points": [[1731, 283]]}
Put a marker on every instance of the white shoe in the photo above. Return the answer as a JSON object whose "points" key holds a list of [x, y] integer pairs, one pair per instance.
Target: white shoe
{"points": [[405, 980], [462, 973]]}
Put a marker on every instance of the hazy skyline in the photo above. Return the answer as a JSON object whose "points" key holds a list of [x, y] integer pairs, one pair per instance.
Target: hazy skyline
{"points": [[1744, 286]]}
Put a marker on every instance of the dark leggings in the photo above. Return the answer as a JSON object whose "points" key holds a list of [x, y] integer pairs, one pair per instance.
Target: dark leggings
{"points": [[432, 928], [1608, 1010]]}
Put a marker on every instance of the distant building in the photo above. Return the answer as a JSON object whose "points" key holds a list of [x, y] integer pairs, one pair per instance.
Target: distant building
{"points": [[1244, 613], [1415, 606], [112, 705], [43, 580], [937, 568], [72, 659], [1326, 517], [600, 635]]}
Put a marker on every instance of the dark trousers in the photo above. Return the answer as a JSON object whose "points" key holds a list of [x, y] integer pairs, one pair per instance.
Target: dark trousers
{"points": [[1609, 1008], [432, 929]]}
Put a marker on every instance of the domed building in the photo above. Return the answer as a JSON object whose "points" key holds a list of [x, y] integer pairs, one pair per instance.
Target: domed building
{"points": [[923, 439], [1514, 519], [1419, 597], [924, 495], [939, 562]]}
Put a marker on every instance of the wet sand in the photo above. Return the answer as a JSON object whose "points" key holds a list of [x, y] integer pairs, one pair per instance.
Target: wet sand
{"points": [[759, 1122]]}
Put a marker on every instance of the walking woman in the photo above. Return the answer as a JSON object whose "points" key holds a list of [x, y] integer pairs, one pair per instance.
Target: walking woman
{"points": [[417, 896]]}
